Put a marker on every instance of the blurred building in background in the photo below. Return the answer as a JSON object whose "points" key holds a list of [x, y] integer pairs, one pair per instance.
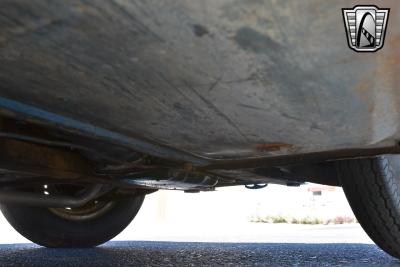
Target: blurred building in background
{"points": [[238, 204]]}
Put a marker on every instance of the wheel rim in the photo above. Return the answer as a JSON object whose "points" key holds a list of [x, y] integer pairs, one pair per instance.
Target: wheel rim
{"points": [[91, 210]]}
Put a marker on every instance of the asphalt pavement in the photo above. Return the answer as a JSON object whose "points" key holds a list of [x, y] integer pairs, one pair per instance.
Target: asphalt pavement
{"points": [[145, 253]]}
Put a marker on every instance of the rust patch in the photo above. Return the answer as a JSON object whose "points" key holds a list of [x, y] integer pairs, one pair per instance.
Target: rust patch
{"points": [[188, 167], [364, 85], [44, 160], [273, 146]]}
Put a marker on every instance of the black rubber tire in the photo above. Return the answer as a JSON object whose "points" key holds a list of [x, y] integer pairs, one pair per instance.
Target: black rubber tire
{"points": [[372, 187], [44, 228]]}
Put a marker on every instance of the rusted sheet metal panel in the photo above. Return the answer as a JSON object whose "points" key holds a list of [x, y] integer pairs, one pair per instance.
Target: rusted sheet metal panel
{"points": [[219, 79]]}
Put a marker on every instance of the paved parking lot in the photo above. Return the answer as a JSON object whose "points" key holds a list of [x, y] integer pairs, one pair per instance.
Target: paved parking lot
{"points": [[251, 244], [144, 253]]}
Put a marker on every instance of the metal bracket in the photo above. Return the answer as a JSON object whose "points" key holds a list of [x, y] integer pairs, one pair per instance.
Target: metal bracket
{"points": [[255, 186]]}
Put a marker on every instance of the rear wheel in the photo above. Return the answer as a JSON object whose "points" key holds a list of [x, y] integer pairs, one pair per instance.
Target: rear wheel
{"points": [[90, 225], [372, 187]]}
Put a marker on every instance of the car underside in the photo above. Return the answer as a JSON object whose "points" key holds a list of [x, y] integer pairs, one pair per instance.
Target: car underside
{"points": [[102, 103]]}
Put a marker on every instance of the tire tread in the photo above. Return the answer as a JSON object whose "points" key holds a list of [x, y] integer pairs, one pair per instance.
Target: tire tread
{"points": [[372, 191]]}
